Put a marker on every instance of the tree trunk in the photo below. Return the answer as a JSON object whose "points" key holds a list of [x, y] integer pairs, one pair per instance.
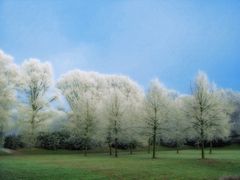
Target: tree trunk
{"points": [[86, 148], [116, 138], [85, 151], [202, 149], [154, 143], [1, 137], [131, 148], [210, 148], [110, 149], [116, 146], [154, 133], [149, 145], [177, 148], [202, 132], [32, 135], [202, 144]]}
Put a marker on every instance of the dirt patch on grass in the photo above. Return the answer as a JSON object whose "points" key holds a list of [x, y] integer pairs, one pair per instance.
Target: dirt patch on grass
{"points": [[208, 161], [230, 178], [9, 151]]}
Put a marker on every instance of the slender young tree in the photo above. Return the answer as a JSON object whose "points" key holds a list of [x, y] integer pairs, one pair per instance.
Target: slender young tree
{"points": [[36, 80], [115, 110], [219, 128], [109, 139], [8, 77], [205, 110], [122, 100], [177, 125], [156, 102], [134, 97]]}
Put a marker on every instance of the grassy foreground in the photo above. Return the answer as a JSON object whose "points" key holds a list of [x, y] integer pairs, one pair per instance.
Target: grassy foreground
{"points": [[169, 165]]}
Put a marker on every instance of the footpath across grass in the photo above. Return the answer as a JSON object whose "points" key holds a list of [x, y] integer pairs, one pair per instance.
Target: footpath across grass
{"points": [[41, 164]]}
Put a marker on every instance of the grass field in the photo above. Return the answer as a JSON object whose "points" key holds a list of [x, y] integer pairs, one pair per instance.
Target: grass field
{"points": [[41, 164]]}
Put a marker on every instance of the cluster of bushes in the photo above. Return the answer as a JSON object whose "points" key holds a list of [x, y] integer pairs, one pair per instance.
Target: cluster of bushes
{"points": [[13, 142], [51, 141], [64, 140], [216, 143], [59, 140]]}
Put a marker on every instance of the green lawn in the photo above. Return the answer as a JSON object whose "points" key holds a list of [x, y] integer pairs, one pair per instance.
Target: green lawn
{"points": [[169, 165]]}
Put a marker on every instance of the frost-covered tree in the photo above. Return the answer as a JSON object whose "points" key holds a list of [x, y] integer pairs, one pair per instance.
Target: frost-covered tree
{"points": [[220, 120], [206, 110], [232, 99], [36, 80], [8, 76], [122, 100], [177, 125], [114, 109], [132, 124], [82, 90], [156, 111]]}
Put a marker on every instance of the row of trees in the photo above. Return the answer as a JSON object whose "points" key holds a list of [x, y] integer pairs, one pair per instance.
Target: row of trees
{"points": [[109, 109]]}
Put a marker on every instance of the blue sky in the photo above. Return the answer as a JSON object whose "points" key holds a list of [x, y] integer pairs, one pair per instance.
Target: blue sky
{"points": [[170, 40]]}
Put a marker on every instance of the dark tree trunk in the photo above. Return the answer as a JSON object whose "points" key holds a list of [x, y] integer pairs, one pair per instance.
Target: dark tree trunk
{"points": [[1, 137], [202, 144], [149, 145], [131, 148], [32, 134], [110, 149], [86, 148], [177, 148], [202, 149], [116, 147], [154, 143], [154, 134], [116, 138], [210, 148], [202, 132]]}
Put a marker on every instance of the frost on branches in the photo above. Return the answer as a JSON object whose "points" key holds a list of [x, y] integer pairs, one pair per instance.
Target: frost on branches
{"points": [[36, 80], [8, 78]]}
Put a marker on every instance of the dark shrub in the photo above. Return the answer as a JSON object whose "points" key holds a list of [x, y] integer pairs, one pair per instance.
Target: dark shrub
{"points": [[62, 140], [13, 142], [124, 145], [74, 143], [53, 140]]}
